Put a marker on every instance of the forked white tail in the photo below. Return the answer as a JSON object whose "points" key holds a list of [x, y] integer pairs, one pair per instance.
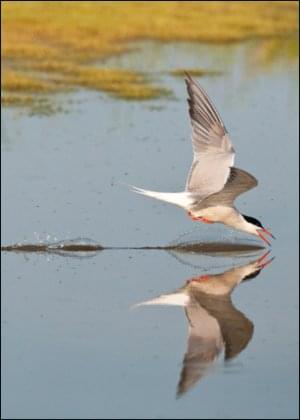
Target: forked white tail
{"points": [[181, 199], [176, 299]]}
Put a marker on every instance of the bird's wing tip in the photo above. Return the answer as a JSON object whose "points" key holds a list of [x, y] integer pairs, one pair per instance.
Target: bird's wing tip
{"points": [[187, 77]]}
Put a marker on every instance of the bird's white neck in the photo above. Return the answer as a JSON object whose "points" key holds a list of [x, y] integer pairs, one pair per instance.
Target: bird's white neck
{"points": [[237, 221]]}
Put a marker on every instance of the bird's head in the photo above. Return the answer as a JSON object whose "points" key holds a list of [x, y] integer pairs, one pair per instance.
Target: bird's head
{"points": [[256, 228]]}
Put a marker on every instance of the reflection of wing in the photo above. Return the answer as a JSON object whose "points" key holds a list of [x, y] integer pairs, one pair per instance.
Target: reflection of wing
{"points": [[213, 151], [238, 182], [236, 329], [204, 345], [214, 324]]}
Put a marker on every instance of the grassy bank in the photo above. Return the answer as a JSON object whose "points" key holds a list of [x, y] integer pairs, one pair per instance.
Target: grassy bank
{"points": [[51, 46]]}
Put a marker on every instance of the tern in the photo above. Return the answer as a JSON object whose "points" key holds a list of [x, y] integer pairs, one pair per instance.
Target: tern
{"points": [[213, 183], [215, 325]]}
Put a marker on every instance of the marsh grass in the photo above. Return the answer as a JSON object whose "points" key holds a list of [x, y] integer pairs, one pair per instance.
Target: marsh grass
{"points": [[51, 46], [195, 72]]}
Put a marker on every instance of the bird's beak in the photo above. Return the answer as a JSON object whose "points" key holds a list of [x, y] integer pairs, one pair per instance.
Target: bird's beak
{"points": [[259, 232], [268, 233]]}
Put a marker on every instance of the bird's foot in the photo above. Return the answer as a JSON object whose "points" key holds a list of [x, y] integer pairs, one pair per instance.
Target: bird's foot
{"points": [[206, 220], [192, 217], [199, 219]]}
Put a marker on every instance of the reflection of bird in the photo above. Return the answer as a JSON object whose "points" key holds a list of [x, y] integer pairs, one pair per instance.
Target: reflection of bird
{"points": [[214, 323], [213, 183]]}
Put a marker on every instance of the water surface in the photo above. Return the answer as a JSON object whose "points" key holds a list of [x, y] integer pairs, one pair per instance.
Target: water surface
{"points": [[73, 347]]}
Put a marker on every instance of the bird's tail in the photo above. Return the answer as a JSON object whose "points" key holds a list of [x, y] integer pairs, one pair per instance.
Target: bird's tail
{"points": [[181, 199]]}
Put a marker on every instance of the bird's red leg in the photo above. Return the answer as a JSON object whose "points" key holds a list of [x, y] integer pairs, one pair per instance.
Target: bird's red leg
{"points": [[206, 220], [199, 219], [193, 217]]}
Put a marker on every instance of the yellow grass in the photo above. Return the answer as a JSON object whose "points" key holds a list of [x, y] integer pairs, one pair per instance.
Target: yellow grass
{"points": [[11, 99], [14, 81], [61, 40], [195, 72]]}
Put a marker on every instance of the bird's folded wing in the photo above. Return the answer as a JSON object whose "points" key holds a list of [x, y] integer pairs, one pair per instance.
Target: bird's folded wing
{"points": [[238, 182], [213, 151]]}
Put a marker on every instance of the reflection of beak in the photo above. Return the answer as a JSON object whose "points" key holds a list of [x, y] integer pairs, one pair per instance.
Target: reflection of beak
{"points": [[260, 259], [261, 263], [267, 232]]}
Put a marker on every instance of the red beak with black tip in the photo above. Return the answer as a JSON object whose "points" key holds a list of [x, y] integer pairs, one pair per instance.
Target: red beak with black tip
{"points": [[267, 232]]}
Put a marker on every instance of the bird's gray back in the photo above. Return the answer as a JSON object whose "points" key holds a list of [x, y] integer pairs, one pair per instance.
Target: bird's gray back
{"points": [[239, 181]]}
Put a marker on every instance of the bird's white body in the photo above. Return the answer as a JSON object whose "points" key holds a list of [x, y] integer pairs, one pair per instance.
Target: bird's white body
{"points": [[215, 214]]}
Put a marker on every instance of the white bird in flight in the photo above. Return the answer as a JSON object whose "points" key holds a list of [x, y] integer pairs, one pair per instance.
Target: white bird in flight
{"points": [[213, 182]]}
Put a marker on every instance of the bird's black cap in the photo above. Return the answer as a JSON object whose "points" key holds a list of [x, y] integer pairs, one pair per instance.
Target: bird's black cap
{"points": [[252, 275], [252, 220]]}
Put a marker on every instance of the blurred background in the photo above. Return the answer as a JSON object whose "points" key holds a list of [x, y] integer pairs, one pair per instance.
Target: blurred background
{"points": [[50, 47]]}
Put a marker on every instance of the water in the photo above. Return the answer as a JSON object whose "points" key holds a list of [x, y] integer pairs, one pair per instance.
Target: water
{"points": [[73, 345]]}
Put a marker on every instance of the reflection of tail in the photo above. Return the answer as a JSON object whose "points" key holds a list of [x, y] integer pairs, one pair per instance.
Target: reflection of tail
{"points": [[177, 299], [181, 199]]}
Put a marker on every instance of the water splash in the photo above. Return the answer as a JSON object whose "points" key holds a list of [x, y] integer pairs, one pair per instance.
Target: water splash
{"points": [[77, 247]]}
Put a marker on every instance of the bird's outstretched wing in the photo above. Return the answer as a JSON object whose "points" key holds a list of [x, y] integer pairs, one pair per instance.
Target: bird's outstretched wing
{"points": [[213, 151], [238, 182]]}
